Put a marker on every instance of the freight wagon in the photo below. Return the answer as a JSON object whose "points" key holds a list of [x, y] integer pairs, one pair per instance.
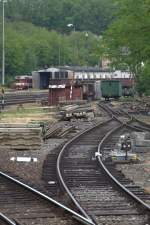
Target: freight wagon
{"points": [[111, 89]]}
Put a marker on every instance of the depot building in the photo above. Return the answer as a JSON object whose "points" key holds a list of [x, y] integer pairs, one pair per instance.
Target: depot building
{"points": [[75, 83]]}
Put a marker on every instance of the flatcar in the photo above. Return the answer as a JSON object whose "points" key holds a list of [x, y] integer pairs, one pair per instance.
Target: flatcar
{"points": [[22, 82]]}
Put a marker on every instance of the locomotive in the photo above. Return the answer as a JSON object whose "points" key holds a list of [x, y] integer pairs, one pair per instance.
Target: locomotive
{"points": [[22, 82]]}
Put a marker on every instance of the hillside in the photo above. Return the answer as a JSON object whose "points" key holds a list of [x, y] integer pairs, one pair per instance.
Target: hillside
{"points": [[92, 15]]}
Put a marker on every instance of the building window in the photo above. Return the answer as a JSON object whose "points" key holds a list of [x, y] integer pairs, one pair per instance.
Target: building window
{"points": [[56, 75], [61, 75], [50, 75], [66, 75]]}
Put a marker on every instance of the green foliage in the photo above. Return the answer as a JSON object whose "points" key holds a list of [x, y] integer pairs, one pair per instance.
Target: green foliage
{"points": [[28, 48], [49, 41], [143, 85], [93, 15], [127, 41]]}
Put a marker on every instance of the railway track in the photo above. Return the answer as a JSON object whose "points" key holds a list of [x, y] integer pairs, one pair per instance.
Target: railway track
{"points": [[94, 193], [25, 97], [125, 117], [137, 193], [22, 205], [110, 140], [95, 196], [49, 171], [4, 220]]}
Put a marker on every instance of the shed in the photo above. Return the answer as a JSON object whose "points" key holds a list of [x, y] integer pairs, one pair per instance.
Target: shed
{"points": [[64, 92], [41, 78]]}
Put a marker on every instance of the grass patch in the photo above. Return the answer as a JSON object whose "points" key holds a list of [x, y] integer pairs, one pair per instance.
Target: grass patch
{"points": [[127, 99], [21, 112], [25, 114]]}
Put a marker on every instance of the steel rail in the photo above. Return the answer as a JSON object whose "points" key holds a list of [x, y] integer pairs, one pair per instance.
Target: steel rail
{"points": [[24, 97], [138, 128], [126, 113], [132, 118], [137, 120], [7, 220], [106, 109], [60, 176], [22, 101], [143, 123], [134, 127], [110, 112], [74, 214], [99, 158]]}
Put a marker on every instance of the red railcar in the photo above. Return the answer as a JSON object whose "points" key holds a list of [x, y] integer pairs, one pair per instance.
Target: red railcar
{"points": [[22, 82]]}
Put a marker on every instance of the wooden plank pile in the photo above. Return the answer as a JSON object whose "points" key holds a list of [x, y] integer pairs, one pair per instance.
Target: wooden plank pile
{"points": [[20, 137], [57, 130]]}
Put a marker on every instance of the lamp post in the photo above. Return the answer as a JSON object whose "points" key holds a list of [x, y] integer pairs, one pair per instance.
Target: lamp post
{"points": [[71, 87], [71, 25], [86, 45], [86, 34], [3, 41], [59, 50]]}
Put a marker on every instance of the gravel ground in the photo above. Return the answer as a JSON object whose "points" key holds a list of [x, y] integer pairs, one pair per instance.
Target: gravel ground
{"points": [[140, 172], [31, 172]]}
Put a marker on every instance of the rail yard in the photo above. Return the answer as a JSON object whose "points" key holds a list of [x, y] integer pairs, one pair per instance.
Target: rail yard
{"points": [[61, 170], [75, 112]]}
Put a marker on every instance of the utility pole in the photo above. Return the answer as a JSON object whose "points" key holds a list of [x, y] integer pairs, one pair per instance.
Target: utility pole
{"points": [[59, 50], [75, 53], [3, 41]]}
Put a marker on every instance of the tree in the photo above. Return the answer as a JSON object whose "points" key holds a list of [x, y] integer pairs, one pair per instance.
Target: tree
{"points": [[143, 85], [127, 41], [93, 15], [29, 48]]}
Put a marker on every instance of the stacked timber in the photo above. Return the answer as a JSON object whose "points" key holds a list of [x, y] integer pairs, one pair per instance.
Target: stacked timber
{"points": [[52, 132], [65, 131], [57, 130], [20, 137], [76, 112]]}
